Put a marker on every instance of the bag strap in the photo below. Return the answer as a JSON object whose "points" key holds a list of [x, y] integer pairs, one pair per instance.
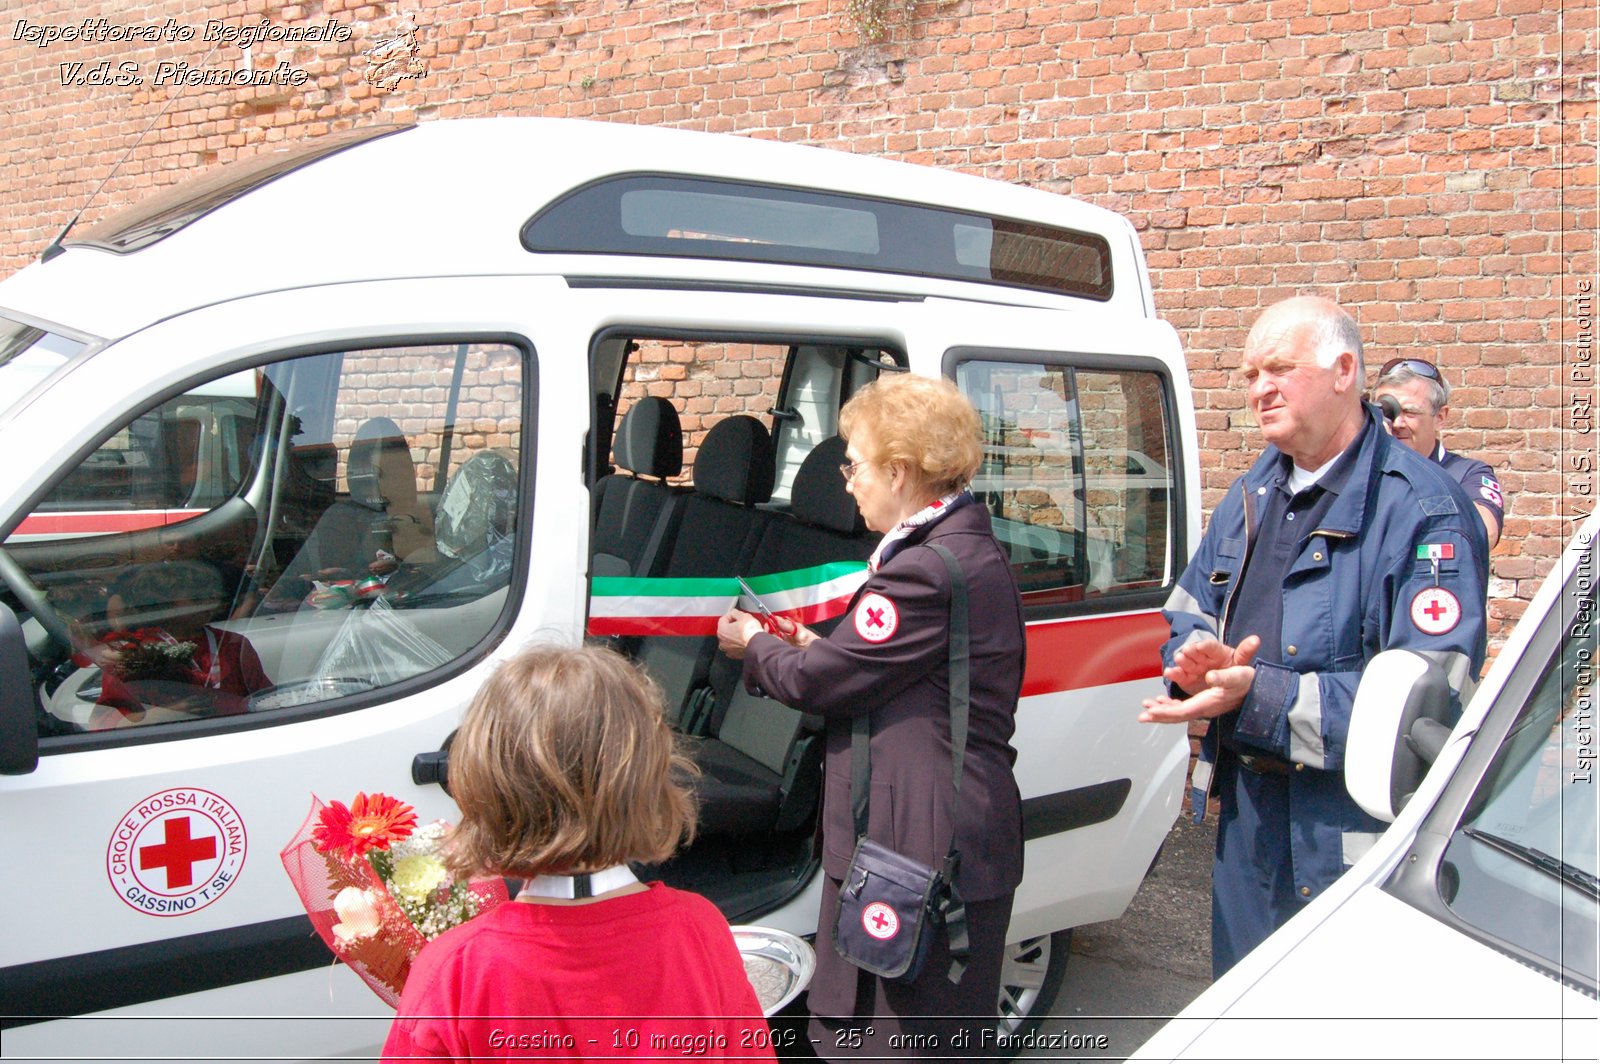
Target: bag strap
{"points": [[952, 908]]}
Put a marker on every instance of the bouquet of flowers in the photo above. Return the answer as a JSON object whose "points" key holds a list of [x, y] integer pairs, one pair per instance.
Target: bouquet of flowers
{"points": [[376, 888], [150, 654]]}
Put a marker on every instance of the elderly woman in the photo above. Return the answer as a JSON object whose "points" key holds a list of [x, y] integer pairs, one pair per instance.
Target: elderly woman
{"points": [[914, 445]]}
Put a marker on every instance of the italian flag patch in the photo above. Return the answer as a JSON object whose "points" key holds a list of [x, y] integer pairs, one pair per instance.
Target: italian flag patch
{"points": [[1436, 552], [637, 605]]}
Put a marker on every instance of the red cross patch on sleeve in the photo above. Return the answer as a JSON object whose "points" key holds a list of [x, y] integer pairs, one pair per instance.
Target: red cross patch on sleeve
{"points": [[876, 618], [1435, 611]]}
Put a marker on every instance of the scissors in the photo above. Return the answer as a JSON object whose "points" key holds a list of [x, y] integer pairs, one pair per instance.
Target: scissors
{"points": [[768, 620]]}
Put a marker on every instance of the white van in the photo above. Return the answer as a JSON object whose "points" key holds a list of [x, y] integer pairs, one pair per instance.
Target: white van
{"points": [[1470, 930], [519, 379]]}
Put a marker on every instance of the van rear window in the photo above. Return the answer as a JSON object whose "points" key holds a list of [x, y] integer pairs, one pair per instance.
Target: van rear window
{"points": [[159, 216], [649, 214]]}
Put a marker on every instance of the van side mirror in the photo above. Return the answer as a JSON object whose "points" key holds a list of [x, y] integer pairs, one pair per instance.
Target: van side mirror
{"points": [[1396, 730], [19, 728]]}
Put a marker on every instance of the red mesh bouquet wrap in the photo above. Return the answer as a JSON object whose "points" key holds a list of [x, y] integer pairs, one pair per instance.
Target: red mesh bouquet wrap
{"points": [[375, 886]]}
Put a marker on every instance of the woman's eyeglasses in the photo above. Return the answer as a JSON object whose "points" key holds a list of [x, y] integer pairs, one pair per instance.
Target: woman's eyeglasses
{"points": [[850, 469], [1415, 365]]}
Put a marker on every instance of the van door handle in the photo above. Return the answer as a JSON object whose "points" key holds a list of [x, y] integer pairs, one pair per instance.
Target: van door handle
{"points": [[430, 767], [433, 766]]}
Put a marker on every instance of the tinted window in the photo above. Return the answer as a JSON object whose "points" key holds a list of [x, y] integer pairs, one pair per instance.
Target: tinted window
{"points": [[704, 218], [1078, 473]]}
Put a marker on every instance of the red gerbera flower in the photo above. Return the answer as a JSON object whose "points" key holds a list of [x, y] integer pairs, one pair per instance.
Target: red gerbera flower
{"points": [[371, 822]]}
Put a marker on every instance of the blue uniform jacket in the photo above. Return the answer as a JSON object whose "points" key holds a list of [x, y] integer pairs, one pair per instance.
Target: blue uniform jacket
{"points": [[1357, 587]]}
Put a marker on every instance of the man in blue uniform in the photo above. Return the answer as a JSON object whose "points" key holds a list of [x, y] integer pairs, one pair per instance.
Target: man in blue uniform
{"points": [[1422, 396], [1339, 543]]}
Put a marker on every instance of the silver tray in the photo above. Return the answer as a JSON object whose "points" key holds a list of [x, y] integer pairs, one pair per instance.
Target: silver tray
{"points": [[779, 965]]}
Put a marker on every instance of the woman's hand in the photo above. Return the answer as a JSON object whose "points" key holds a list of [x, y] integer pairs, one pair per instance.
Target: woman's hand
{"points": [[735, 629], [793, 632]]}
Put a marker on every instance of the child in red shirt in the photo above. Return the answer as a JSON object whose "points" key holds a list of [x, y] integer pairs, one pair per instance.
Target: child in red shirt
{"points": [[563, 769]]}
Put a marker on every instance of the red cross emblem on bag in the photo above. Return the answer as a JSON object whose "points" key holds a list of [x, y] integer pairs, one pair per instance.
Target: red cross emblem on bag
{"points": [[880, 921]]}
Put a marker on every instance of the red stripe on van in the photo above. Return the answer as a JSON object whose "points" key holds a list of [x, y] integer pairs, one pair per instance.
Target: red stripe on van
{"points": [[100, 522], [1093, 651]]}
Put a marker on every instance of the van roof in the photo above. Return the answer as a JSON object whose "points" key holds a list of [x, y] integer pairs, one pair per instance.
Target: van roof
{"points": [[453, 197]]}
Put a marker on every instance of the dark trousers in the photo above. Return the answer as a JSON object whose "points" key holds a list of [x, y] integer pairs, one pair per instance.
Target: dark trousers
{"points": [[929, 1017], [1252, 879]]}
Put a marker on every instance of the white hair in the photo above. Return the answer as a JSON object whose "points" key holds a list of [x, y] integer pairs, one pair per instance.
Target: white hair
{"points": [[1333, 330]]}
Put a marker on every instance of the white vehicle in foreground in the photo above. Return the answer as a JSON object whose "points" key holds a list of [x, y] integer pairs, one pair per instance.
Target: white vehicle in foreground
{"points": [[1469, 931], [470, 384]]}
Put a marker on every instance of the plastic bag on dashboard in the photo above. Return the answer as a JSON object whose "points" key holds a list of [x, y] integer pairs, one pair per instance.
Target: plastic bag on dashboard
{"points": [[380, 645]]}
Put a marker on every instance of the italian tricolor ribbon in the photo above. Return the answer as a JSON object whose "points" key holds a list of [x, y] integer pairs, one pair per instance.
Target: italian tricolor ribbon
{"points": [[665, 605], [1433, 552]]}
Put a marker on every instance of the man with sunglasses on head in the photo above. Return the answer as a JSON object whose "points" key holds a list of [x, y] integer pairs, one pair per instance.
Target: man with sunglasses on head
{"points": [[1422, 397]]}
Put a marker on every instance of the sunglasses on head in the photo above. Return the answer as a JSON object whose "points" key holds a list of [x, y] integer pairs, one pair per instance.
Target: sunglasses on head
{"points": [[1415, 365]]}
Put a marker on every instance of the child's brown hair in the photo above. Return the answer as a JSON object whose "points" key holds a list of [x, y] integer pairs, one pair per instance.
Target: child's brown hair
{"points": [[564, 764]]}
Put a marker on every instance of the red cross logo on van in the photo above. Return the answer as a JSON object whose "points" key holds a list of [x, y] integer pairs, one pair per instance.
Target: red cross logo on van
{"points": [[176, 852], [876, 618]]}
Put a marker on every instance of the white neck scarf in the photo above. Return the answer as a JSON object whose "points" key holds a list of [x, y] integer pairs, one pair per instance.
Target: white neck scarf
{"points": [[925, 516]]}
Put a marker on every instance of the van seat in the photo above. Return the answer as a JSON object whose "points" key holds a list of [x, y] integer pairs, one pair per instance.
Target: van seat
{"points": [[761, 767], [717, 534], [636, 511]]}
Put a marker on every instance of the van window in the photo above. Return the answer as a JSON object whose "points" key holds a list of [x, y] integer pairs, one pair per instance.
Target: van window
{"points": [[28, 355], [654, 214], [821, 379], [1078, 473], [1523, 865], [350, 524], [168, 464]]}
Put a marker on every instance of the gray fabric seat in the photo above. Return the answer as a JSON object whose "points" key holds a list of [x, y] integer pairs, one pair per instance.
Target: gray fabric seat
{"points": [[761, 767], [717, 534], [636, 511]]}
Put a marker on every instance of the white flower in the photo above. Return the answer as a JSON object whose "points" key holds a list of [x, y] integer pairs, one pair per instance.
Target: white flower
{"points": [[358, 914], [418, 875], [422, 841]]}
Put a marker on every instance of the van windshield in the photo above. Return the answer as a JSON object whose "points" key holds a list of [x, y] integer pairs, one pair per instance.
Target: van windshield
{"points": [[1522, 865], [29, 354]]}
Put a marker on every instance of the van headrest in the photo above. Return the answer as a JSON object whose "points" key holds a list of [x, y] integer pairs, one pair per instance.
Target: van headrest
{"points": [[650, 439], [819, 495], [374, 437], [735, 461]]}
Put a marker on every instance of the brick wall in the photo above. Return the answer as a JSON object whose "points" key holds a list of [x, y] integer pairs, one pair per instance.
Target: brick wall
{"points": [[706, 381], [1429, 165]]}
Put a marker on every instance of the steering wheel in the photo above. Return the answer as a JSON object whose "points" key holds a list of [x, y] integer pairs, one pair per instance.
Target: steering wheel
{"points": [[34, 599]]}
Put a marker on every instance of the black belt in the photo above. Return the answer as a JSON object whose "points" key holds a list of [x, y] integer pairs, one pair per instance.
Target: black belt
{"points": [[1265, 764]]}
